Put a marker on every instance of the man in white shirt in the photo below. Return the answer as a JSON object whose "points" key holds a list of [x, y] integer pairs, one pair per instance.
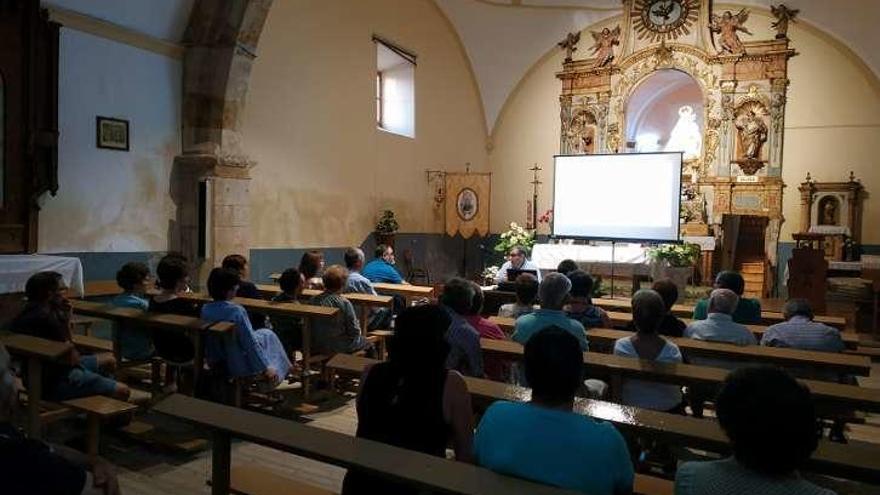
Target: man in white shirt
{"points": [[719, 325], [516, 260]]}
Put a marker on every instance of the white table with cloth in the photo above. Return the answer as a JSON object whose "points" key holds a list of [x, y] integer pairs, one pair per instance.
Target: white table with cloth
{"points": [[16, 269]]}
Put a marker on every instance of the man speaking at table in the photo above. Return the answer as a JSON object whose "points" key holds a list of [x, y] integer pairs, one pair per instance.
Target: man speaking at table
{"points": [[517, 261]]}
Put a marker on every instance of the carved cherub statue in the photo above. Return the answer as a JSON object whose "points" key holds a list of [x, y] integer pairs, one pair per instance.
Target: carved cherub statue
{"points": [[569, 44], [727, 26], [603, 49], [783, 16]]}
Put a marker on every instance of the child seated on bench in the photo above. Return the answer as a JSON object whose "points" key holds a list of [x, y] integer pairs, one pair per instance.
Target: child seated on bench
{"points": [[245, 351], [135, 343], [526, 292], [289, 328], [173, 273], [343, 334], [580, 305], [239, 264], [47, 315]]}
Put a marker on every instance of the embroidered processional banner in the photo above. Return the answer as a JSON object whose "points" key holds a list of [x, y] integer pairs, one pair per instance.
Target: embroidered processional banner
{"points": [[467, 203]]}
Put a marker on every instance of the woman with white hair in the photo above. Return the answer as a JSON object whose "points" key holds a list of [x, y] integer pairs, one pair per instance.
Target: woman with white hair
{"points": [[30, 466]]}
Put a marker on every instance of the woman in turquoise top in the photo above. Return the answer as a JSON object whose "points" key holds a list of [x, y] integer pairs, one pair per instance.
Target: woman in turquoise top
{"points": [[245, 351], [543, 440]]}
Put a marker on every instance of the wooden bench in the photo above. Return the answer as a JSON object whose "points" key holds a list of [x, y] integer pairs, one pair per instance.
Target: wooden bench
{"points": [[602, 340], [856, 462], [416, 469], [101, 288], [365, 302], [39, 352], [407, 291], [834, 397]]}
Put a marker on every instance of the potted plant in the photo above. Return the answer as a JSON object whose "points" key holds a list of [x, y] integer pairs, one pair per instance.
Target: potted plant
{"points": [[386, 227], [675, 262]]}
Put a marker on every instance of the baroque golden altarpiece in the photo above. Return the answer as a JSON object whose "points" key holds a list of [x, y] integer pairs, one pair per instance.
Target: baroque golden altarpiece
{"points": [[744, 84]]}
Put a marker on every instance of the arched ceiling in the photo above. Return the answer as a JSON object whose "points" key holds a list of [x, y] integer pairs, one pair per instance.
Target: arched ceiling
{"points": [[505, 38]]}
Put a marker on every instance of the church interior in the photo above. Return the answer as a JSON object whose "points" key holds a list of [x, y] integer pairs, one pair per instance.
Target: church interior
{"points": [[220, 219]]}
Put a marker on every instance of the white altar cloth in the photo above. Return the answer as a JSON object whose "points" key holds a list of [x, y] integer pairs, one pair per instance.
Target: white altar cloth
{"points": [[15, 269]]}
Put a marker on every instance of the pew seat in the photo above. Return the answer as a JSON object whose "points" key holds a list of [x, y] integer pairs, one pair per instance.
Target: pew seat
{"points": [[251, 479], [98, 409]]}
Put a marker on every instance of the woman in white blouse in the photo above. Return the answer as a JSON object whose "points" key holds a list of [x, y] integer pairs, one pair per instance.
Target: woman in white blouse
{"points": [[648, 312]]}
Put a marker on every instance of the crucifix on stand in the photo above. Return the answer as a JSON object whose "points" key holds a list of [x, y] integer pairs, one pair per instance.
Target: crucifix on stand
{"points": [[535, 183]]}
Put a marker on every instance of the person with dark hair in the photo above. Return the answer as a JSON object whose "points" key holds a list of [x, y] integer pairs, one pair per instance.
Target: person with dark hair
{"points": [[526, 287], [412, 400], [580, 304], [671, 326], [30, 466], [495, 367], [648, 310], [239, 265], [748, 311], [311, 267], [381, 268], [289, 328], [244, 351], [135, 342], [770, 420], [465, 354], [799, 331], [343, 334], [357, 283], [544, 440], [517, 259], [173, 274], [567, 266], [47, 314], [553, 293]]}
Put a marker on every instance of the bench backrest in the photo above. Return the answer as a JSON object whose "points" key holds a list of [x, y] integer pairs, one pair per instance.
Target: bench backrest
{"points": [[272, 308], [136, 316]]}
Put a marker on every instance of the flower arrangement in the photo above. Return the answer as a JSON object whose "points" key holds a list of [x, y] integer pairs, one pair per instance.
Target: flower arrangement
{"points": [[515, 236], [547, 217], [677, 255], [490, 273], [387, 224]]}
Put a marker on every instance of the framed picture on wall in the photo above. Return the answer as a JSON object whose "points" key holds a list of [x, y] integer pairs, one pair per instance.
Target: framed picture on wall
{"points": [[112, 134]]}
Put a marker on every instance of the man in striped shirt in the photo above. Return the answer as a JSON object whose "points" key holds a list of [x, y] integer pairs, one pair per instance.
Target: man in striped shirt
{"points": [[801, 332]]}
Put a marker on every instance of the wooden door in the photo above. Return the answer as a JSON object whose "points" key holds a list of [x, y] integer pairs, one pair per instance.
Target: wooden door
{"points": [[28, 120]]}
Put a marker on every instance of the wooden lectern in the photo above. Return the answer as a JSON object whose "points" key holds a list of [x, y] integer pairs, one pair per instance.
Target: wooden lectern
{"points": [[808, 270]]}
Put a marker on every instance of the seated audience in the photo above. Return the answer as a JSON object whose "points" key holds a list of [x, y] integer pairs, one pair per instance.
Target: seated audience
{"points": [[33, 467], [771, 423], [357, 283], [311, 267], [47, 314], [245, 351], [135, 343], [342, 334], [526, 292], [381, 268], [516, 260], [799, 331], [239, 265], [544, 440], [719, 325], [567, 266], [671, 326], [173, 274], [580, 305], [748, 311], [649, 310], [412, 400], [494, 366], [465, 354], [553, 293], [289, 328]]}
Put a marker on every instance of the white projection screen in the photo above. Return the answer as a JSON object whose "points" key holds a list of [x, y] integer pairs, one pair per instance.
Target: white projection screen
{"points": [[627, 197]]}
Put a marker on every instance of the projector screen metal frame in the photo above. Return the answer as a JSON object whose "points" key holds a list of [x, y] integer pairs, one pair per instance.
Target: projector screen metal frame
{"points": [[622, 239]]}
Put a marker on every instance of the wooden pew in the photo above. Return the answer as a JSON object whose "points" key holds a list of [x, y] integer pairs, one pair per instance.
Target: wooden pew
{"points": [[101, 288], [39, 352], [622, 320], [861, 463], [616, 368], [365, 302], [419, 470], [604, 339], [408, 291]]}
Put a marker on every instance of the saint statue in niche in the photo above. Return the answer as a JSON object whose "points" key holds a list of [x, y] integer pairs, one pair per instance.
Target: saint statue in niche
{"points": [[828, 211], [686, 135], [752, 134], [467, 204]]}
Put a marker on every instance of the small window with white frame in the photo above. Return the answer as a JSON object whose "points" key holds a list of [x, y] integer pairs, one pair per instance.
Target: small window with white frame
{"points": [[395, 89]]}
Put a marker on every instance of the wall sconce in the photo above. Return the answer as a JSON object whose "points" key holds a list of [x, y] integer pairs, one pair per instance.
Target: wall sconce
{"points": [[437, 181]]}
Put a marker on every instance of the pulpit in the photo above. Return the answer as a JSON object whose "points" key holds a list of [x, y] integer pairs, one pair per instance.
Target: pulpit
{"points": [[808, 270]]}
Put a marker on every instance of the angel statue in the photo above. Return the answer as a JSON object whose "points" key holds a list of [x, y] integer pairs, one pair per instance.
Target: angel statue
{"points": [[569, 44], [783, 16], [728, 25], [604, 47]]}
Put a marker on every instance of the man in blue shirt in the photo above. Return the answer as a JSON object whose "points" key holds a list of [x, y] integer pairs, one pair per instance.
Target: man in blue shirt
{"points": [[553, 293], [381, 269], [465, 354], [801, 332], [544, 440]]}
